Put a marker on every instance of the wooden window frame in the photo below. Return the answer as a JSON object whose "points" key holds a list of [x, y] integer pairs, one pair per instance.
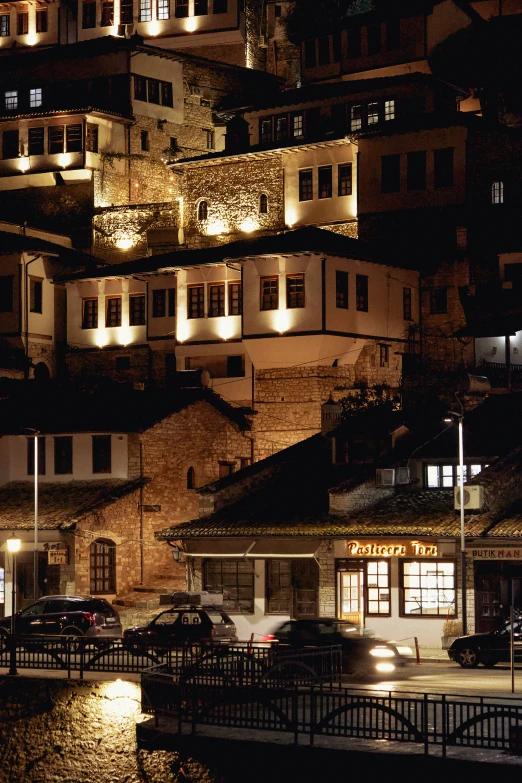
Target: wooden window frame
{"points": [[434, 563], [90, 315], [269, 293], [295, 291], [196, 301], [216, 300], [113, 310]]}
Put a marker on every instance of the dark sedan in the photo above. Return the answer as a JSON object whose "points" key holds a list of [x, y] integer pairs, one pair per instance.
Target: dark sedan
{"points": [[362, 655], [487, 648]]}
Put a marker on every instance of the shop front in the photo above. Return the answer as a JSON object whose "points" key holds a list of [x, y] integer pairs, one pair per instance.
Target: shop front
{"points": [[497, 580]]}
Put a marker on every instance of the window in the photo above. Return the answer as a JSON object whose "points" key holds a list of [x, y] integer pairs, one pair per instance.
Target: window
{"points": [[63, 457], [344, 180], [126, 11], [182, 8], [5, 25], [6, 294], [144, 140], [35, 97], [281, 127], [324, 182], [389, 110], [278, 586], [323, 46], [234, 299], [102, 566], [153, 91], [265, 130], [10, 147], [55, 139], [73, 138], [390, 173], [22, 23], [35, 294], [298, 125], [163, 9], [393, 34], [166, 94], [233, 578], [438, 301], [277, 11], [497, 192], [384, 355], [90, 314], [101, 453], [159, 303], [428, 588], [36, 141], [209, 139], [406, 304], [220, 6], [443, 167], [416, 170], [91, 137], [374, 39], [11, 100], [200, 7], [235, 366], [202, 210], [341, 290], [295, 291], [378, 587], [354, 42], [447, 476], [361, 292], [140, 88], [136, 309], [30, 456], [191, 478], [226, 469], [88, 15], [373, 113], [195, 301], [113, 311], [310, 60], [263, 204], [269, 293], [145, 14], [107, 13], [216, 300], [306, 185], [356, 117]]}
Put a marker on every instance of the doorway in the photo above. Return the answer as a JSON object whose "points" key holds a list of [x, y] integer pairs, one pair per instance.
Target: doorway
{"points": [[351, 596]]}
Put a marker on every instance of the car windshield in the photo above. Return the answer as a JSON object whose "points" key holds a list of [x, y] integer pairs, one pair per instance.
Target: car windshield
{"points": [[506, 630]]}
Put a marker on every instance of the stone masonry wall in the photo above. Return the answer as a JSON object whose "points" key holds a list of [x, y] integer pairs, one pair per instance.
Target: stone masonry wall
{"points": [[115, 227], [101, 364], [363, 496], [327, 581]]}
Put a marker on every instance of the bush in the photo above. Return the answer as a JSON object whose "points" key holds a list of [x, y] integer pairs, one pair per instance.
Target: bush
{"points": [[452, 628]]}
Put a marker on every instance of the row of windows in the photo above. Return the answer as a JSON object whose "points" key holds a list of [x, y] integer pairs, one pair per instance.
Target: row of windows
{"points": [[22, 23], [328, 49], [416, 170], [14, 100], [295, 292], [325, 182], [341, 291], [147, 10], [153, 91], [60, 138], [447, 476], [63, 455]]}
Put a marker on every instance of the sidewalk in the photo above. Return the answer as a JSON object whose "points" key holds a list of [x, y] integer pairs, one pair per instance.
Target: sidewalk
{"points": [[432, 654]]}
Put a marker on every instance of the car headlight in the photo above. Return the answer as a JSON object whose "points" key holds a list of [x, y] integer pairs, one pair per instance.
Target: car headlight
{"points": [[382, 652], [385, 668]]}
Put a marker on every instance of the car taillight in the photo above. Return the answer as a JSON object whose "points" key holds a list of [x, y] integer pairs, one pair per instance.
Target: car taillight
{"points": [[90, 617], [269, 637]]}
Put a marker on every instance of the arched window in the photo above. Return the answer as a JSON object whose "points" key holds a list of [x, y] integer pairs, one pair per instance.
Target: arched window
{"points": [[263, 204], [202, 210], [103, 566], [191, 478]]}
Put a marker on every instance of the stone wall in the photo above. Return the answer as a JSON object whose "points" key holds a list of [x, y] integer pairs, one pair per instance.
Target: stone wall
{"points": [[115, 228], [100, 363], [327, 580], [363, 496], [348, 229]]}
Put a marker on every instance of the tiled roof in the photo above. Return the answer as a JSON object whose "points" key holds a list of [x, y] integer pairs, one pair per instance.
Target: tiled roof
{"points": [[18, 243], [60, 504]]}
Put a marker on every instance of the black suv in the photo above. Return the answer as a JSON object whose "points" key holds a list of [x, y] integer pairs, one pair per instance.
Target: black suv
{"points": [[68, 615], [184, 626]]}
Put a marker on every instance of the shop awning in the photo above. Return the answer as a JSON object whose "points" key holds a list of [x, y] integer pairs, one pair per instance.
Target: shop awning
{"points": [[278, 548], [219, 547], [251, 548]]}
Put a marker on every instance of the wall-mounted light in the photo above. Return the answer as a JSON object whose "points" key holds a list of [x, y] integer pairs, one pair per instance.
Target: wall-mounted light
{"points": [[177, 554]]}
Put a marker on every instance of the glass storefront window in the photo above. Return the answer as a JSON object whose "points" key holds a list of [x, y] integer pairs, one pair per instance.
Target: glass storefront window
{"points": [[428, 588]]}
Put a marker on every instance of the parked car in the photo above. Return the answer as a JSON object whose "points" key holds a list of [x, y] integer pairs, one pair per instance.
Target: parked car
{"points": [[67, 615], [184, 626], [487, 648], [362, 655]]}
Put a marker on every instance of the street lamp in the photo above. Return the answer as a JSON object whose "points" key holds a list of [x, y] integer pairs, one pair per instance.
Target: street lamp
{"points": [[35, 556], [452, 416], [13, 546]]}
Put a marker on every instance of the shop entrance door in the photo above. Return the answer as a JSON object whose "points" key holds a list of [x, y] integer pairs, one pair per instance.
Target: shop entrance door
{"points": [[351, 598]]}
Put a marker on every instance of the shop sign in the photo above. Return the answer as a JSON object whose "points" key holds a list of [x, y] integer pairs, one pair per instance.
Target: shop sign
{"points": [[57, 554], [391, 549], [500, 553]]}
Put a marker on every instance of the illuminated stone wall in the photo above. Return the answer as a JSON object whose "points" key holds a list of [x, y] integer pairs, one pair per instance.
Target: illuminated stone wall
{"points": [[120, 233]]}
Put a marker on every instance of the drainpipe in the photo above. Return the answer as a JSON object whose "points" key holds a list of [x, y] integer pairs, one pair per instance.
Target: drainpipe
{"points": [[142, 564], [26, 284]]}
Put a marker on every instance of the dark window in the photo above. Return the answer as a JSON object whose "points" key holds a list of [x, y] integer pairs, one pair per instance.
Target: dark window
{"points": [[443, 167], [384, 355], [140, 88], [209, 139], [324, 178], [91, 140], [374, 39], [265, 129], [6, 294], [144, 139], [200, 7], [191, 478], [393, 34], [101, 453], [281, 127], [107, 13], [153, 91], [123, 363], [163, 9], [182, 8], [269, 293], [309, 54], [88, 15], [438, 301], [55, 136], [306, 185], [234, 299], [166, 94], [216, 300], [30, 456], [171, 302], [279, 586], [344, 180], [113, 311], [390, 173], [145, 14], [202, 210], [406, 304], [73, 138], [263, 204], [354, 42], [159, 303], [137, 309], [196, 301], [233, 578], [35, 294], [323, 47], [416, 170], [10, 147], [341, 290], [313, 122], [5, 25], [338, 117], [22, 23], [63, 456], [41, 20], [235, 366], [220, 6], [295, 291], [277, 11], [126, 11], [90, 314], [336, 47], [361, 293], [427, 588], [103, 566]]}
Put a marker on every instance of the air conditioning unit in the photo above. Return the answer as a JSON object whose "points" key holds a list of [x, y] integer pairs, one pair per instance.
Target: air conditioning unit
{"points": [[385, 477], [125, 30], [473, 497], [263, 42]]}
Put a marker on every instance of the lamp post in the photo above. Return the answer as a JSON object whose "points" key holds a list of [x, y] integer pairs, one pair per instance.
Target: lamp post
{"points": [[13, 546], [35, 560], [460, 418]]}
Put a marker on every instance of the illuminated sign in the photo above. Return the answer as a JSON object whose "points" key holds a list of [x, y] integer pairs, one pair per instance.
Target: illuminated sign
{"points": [[500, 553], [391, 549], [57, 554]]}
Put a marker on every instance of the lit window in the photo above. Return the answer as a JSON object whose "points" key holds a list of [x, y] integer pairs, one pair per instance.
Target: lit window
{"points": [[373, 113], [497, 192], [297, 126], [35, 97], [428, 588], [145, 11], [389, 110], [5, 25], [163, 9], [11, 100], [378, 587], [356, 117], [448, 476]]}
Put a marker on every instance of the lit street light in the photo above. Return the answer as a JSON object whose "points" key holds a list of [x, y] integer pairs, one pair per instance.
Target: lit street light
{"points": [[451, 416], [13, 546]]}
